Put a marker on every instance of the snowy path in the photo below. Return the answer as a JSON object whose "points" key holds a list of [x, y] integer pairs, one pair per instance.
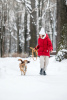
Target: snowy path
{"points": [[13, 86]]}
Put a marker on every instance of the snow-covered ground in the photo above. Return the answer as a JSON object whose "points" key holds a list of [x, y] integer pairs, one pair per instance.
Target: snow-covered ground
{"points": [[33, 86]]}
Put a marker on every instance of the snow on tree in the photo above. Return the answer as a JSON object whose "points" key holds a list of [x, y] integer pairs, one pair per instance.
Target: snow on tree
{"points": [[21, 22], [66, 2], [46, 17], [15, 24]]}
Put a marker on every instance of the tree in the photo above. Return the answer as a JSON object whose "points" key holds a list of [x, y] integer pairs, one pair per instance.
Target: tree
{"points": [[61, 23], [33, 41]]}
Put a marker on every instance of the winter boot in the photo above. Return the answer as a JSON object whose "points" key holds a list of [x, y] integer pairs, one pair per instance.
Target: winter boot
{"points": [[41, 71], [44, 73]]}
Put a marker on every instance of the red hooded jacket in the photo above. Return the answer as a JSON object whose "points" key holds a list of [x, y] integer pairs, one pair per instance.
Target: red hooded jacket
{"points": [[44, 46]]}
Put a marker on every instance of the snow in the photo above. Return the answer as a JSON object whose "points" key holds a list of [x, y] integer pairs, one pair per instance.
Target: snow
{"points": [[64, 50], [33, 86], [66, 2], [28, 38], [20, 0], [29, 6]]}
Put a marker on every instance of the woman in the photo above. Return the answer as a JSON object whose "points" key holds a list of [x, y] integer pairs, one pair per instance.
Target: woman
{"points": [[44, 48]]}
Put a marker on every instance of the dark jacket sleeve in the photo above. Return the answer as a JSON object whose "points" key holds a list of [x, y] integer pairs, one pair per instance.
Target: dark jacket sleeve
{"points": [[37, 47]]}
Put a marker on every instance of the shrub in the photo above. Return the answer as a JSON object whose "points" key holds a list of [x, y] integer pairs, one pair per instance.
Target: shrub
{"points": [[62, 54]]}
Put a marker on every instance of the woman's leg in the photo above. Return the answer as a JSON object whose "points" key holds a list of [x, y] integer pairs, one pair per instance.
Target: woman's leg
{"points": [[46, 61], [42, 62]]}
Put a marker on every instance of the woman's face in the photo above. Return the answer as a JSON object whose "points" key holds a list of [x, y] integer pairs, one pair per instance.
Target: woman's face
{"points": [[41, 36]]}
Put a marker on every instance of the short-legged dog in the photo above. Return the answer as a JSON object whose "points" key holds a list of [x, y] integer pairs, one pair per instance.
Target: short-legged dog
{"points": [[23, 66]]}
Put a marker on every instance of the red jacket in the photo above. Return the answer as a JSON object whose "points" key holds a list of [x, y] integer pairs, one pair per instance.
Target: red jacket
{"points": [[44, 46]]}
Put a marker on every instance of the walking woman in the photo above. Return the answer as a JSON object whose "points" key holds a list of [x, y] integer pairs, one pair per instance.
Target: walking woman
{"points": [[44, 48]]}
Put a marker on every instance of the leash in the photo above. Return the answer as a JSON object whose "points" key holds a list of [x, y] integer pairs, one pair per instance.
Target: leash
{"points": [[33, 51]]}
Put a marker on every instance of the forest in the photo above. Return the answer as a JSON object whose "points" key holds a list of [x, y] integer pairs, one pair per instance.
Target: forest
{"points": [[21, 21]]}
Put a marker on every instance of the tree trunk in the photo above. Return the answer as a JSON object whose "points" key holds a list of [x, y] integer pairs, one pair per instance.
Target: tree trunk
{"points": [[25, 34], [61, 20], [17, 35], [33, 41]]}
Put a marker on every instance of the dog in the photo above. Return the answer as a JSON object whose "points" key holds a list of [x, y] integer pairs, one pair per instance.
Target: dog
{"points": [[23, 66]]}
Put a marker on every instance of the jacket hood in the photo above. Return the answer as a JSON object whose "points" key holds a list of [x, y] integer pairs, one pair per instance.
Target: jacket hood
{"points": [[45, 36]]}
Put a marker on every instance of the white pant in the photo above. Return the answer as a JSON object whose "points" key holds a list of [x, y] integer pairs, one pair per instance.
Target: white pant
{"points": [[44, 60]]}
